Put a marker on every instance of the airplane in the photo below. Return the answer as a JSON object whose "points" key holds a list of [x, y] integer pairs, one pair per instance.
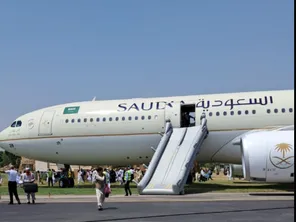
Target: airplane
{"points": [[243, 128]]}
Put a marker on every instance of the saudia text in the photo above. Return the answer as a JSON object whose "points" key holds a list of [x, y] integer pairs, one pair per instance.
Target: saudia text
{"points": [[202, 104]]}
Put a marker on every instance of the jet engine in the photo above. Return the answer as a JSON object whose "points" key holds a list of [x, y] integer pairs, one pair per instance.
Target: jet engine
{"points": [[268, 156]]}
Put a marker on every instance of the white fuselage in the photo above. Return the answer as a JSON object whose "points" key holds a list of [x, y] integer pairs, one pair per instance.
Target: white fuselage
{"points": [[121, 132]]}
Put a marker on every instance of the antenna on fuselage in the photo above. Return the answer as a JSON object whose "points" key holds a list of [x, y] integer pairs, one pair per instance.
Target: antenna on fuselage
{"points": [[94, 99]]}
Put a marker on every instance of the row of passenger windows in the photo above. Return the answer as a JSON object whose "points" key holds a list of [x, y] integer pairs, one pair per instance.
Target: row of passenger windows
{"points": [[104, 119], [246, 112], [283, 110], [16, 124], [239, 112]]}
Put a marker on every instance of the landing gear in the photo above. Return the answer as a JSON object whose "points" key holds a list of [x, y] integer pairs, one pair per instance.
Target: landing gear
{"points": [[66, 182], [62, 182], [67, 177]]}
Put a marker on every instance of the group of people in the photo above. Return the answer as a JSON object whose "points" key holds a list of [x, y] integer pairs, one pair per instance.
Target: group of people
{"points": [[100, 177], [27, 178], [115, 175]]}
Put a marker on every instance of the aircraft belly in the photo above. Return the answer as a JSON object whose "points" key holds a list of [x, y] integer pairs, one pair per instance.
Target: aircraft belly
{"points": [[122, 150], [111, 150]]}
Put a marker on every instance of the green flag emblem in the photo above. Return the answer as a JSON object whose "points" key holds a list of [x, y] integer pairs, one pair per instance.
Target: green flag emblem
{"points": [[71, 110]]}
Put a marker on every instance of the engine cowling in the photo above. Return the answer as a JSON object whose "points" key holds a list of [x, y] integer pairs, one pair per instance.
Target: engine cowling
{"points": [[236, 170], [268, 156]]}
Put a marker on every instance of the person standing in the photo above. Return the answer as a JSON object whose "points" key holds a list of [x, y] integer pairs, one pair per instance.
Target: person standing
{"points": [[12, 185], [80, 177], [1, 180], [107, 176], [49, 177], [100, 187], [127, 180], [29, 178]]}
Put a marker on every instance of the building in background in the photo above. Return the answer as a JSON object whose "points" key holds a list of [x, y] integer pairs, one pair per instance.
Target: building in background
{"points": [[41, 166]]}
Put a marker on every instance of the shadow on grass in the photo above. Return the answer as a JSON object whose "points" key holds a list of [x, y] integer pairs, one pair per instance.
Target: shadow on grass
{"points": [[237, 187], [205, 187], [200, 187]]}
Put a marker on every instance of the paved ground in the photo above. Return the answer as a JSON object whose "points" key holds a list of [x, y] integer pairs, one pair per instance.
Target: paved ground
{"points": [[158, 211], [199, 207], [163, 198]]}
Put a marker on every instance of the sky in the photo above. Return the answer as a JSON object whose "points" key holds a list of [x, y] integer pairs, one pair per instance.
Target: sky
{"points": [[54, 52]]}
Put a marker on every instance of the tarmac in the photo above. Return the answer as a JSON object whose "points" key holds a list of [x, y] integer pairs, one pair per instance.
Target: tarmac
{"points": [[194, 207]]}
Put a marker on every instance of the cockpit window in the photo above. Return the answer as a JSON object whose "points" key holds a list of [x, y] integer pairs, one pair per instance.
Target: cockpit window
{"points": [[13, 124], [19, 124]]}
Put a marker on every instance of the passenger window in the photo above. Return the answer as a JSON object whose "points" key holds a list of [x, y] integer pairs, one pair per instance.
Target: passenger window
{"points": [[239, 112], [130, 118], [67, 121], [13, 124], [143, 117], [123, 118], [276, 110], [73, 120], [291, 110], [85, 120], [149, 117], [217, 114], [116, 118], [268, 111], [254, 111], [79, 120], [91, 119], [224, 113], [246, 112], [232, 113], [283, 110], [98, 119], [110, 119], [104, 119], [136, 118], [210, 113]]}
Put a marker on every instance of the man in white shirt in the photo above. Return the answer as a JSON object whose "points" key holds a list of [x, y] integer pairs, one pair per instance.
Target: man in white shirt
{"points": [[100, 187], [12, 186], [120, 176], [80, 179]]}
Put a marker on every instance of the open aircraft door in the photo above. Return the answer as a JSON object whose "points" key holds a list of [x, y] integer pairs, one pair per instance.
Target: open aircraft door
{"points": [[173, 113]]}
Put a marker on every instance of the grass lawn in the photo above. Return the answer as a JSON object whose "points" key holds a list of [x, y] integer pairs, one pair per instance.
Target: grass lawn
{"points": [[219, 184]]}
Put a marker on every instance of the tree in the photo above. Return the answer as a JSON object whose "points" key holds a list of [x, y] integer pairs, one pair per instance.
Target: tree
{"points": [[7, 158], [1, 157]]}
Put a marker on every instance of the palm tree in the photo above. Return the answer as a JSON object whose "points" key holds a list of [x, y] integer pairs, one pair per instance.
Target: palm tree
{"points": [[283, 148]]}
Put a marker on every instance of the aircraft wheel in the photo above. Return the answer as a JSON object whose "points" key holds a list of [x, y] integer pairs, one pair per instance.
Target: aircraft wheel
{"points": [[71, 182], [63, 183]]}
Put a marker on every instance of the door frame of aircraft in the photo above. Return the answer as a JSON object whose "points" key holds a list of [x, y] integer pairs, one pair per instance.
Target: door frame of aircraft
{"points": [[46, 121], [190, 108]]}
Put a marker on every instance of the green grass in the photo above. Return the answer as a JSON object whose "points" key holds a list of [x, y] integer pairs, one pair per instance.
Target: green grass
{"points": [[236, 186], [219, 184]]}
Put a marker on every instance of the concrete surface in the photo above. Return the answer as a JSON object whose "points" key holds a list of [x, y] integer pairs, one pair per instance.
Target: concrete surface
{"points": [[241, 211], [157, 198]]}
